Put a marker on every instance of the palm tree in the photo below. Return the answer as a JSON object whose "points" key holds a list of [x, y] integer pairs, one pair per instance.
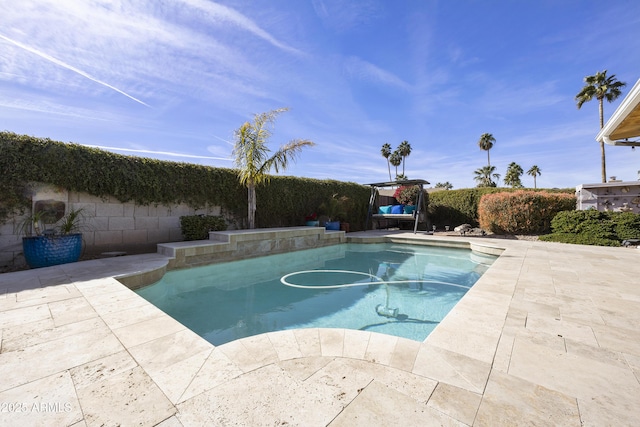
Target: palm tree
{"points": [[404, 149], [601, 87], [396, 160], [512, 178], [446, 185], [483, 176], [386, 152], [534, 171], [251, 155], [486, 142]]}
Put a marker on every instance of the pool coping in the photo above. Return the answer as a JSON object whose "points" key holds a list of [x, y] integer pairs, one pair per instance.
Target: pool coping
{"points": [[92, 343]]}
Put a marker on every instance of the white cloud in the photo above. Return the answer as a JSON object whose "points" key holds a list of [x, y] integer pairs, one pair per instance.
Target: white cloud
{"points": [[364, 70]]}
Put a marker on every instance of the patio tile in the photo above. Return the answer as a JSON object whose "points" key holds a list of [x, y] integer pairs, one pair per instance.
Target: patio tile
{"points": [[618, 339], [404, 354], [452, 368], [459, 404], [378, 404], [331, 342], [414, 386], [574, 375], [147, 330], [261, 349], [561, 328], [127, 398], [217, 369], [511, 401], [355, 343], [308, 341], [174, 379], [55, 356], [303, 368], [285, 344], [128, 316], [49, 401], [158, 354], [100, 369], [264, 397], [43, 335], [20, 316], [71, 310], [380, 348], [238, 354]]}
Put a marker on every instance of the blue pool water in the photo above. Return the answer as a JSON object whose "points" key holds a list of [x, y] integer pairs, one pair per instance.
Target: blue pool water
{"points": [[402, 290]]}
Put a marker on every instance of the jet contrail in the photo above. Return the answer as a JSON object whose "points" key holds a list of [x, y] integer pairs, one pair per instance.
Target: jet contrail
{"points": [[166, 153], [69, 67]]}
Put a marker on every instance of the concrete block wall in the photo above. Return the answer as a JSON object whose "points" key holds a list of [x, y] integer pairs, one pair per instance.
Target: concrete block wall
{"points": [[109, 225]]}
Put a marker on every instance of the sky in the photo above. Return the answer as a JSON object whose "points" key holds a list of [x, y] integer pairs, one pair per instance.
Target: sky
{"points": [[173, 79]]}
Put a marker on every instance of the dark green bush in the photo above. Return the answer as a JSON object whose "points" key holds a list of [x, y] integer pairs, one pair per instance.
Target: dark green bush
{"points": [[592, 227], [197, 227], [628, 226], [578, 239]]}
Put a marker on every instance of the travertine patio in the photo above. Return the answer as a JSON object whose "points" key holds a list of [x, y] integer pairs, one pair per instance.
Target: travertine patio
{"points": [[550, 335]]}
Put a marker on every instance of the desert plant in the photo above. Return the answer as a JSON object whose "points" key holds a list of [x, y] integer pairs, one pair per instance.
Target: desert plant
{"points": [[36, 224]]}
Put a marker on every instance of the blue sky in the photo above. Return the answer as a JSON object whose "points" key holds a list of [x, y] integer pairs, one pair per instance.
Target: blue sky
{"points": [[173, 79]]}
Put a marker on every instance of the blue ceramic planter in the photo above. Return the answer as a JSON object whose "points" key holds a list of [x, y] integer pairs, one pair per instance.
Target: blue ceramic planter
{"points": [[332, 225], [45, 251]]}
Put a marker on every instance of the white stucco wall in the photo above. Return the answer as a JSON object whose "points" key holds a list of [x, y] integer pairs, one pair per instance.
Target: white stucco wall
{"points": [[610, 196]]}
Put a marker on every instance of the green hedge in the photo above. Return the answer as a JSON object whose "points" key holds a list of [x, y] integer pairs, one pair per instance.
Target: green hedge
{"points": [[592, 227], [284, 201], [455, 207], [197, 227], [522, 212]]}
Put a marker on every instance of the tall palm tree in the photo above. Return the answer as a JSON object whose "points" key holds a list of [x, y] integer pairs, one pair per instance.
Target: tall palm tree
{"points": [[252, 155], [484, 174], [534, 171], [404, 149], [485, 143], [386, 152], [396, 160], [601, 87]]}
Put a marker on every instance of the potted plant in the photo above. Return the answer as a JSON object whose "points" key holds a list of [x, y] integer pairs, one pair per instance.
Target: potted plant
{"points": [[334, 209], [49, 240], [312, 220]]}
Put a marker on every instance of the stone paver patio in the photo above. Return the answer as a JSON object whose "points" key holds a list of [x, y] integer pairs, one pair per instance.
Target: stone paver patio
{"points": [[550, 335]]}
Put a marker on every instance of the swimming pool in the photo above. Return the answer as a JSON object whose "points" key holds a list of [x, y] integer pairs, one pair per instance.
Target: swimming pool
{"points": [[402, 290]]}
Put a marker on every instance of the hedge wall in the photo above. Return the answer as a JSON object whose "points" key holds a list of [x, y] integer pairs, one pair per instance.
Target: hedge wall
{"points": [[455, 207], [522, 212], [285, 201]]}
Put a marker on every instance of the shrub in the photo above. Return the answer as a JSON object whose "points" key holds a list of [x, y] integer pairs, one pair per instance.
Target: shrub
{"points": [[197, 227], [522, 212], [455, 207], [592, 227], [578, 239]]}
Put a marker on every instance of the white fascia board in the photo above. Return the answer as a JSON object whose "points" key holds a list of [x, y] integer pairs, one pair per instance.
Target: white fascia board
{"points": [[623, 110]]}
